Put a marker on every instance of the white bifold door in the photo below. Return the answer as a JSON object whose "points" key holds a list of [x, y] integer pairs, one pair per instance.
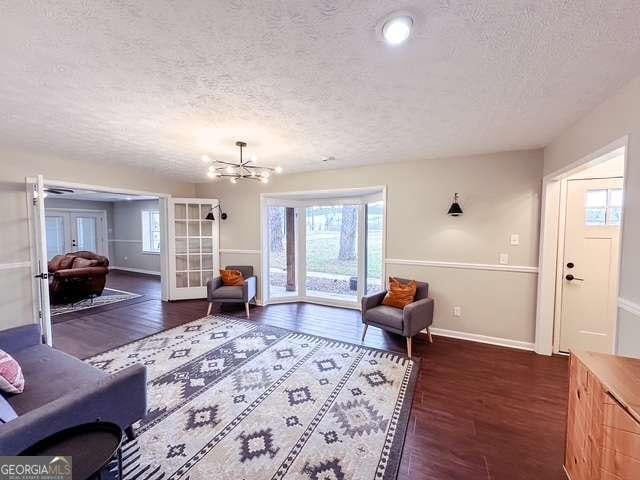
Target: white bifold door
{"points": [[193, 246]]}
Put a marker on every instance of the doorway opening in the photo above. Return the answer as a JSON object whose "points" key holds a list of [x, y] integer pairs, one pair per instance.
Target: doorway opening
{"points": [[582, 220], [323, 247]]}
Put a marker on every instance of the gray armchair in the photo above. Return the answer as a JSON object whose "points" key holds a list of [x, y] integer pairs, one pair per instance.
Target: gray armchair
{"points": [[407, 322], [219, 293]]}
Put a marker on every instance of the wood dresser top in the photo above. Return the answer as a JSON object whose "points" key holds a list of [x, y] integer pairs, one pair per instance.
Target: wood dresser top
{"points": [[620, 376]]}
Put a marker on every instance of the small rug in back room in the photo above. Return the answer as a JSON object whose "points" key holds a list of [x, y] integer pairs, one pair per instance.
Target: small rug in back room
{"points": [[109, 296], [232, 399]]}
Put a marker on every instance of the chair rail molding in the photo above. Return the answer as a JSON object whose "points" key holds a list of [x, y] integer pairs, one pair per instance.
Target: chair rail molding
{"points": [[15, 265], [629, 306], [238, 251], [463, 265]]}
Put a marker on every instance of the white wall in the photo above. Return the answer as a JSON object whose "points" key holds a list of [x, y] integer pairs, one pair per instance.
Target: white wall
{"points": [[500, 196], [127, 236], [617, 116], [16, 299]]}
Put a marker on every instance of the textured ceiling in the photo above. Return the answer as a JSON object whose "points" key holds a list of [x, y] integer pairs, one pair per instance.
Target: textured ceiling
{"points": [[156, 83]]}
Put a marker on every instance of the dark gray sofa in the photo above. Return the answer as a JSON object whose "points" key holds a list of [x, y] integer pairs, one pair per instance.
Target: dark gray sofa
{"points": [[407, 321], [62, 391]]}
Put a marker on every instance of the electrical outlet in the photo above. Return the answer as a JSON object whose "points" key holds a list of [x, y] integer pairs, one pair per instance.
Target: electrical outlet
{"points": [[457, 311], [515, 239], [504, 259], [126, 258]]}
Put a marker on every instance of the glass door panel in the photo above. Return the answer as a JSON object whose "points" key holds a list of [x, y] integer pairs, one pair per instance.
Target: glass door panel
{"points": [[373, 247], [332, 252], [281, 232], [86, 235], [55, 226]]}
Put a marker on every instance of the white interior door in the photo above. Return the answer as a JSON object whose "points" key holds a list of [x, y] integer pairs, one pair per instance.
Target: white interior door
{"points": [[194, 254], [39, 239], [591, 264]]}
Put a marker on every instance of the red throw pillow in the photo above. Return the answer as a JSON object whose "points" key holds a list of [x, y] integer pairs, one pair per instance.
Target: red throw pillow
{"points": [[11, 378], [400, 294], [232, 278]]}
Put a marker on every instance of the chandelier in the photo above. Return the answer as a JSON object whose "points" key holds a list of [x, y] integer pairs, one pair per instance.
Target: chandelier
{"points": [[241, 170]]}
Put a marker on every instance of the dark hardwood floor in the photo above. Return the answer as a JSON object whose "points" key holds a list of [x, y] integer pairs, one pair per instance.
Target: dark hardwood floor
{"points": [[479, 411]]}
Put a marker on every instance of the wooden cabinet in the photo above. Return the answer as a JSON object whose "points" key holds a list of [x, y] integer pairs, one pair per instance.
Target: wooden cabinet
{"points": [[603, 420]]}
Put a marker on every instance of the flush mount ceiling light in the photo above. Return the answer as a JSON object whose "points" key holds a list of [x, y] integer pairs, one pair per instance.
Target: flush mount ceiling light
{"points": [[397, 29], [240, 170]]}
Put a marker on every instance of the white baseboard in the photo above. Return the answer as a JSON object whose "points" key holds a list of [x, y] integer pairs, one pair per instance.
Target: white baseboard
{"points": [[474, 337], [135, 270]]}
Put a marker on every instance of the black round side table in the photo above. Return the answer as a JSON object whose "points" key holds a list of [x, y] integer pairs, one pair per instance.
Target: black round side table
{"points": [[91, 446]]}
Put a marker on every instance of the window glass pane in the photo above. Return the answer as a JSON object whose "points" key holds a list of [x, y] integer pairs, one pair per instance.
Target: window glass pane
{"points": [[150, 231], [86, 230], [194, 262], [207, 228], [181, 229], [596, 198], [55, 236], [181, 262], [332, 251], [596, 216], [281, 224], [194, 229], [615, 197], [373, 252], [194, 211], [181, 279], [207, 262], [614, 216], [181, 245], [207, 245], [180, 211], [194, 279], [194, 245]]}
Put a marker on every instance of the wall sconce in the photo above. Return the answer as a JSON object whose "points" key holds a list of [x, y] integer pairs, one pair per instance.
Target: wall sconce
{"points": [[210, 216], [455, 210]]}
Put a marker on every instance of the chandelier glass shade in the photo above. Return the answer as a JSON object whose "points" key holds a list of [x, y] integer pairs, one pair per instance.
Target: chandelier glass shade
{"points": [[245, 169]]}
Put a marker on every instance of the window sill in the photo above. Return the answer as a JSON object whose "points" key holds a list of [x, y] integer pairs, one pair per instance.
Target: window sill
{"points": [[150, 253]]}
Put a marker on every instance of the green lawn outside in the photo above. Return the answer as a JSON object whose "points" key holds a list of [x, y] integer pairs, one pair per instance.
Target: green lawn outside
{"points": [[322, 255]]}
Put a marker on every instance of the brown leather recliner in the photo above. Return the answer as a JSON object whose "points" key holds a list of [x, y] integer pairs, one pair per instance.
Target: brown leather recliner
{"points": [[77, 276]]}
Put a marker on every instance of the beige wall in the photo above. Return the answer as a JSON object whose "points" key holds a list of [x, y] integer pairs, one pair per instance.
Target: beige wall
{"points": [[16, 299], [500, 196], [614, 118]]}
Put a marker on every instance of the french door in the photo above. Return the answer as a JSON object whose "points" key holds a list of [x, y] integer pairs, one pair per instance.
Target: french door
{"points": [[193, 241], [326, 251], [75, 230]]}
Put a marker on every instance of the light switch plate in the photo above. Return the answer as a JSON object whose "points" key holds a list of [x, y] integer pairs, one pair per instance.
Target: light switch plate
{"points": [[515, 239], [504, 259]]}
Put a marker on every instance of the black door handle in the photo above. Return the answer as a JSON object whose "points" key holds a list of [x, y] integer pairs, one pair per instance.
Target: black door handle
{"points": [[571, 278]]}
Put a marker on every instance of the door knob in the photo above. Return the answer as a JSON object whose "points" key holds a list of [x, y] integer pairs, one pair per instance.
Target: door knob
{"points": [[571, 278]]}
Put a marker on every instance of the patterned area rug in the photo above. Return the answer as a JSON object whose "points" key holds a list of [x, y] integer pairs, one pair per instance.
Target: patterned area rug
{"points": [[109, 296], [232, 399]]}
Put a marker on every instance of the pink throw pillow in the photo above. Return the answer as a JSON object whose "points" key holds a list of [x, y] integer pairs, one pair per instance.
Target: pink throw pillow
{"points": [[11, 378]]}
